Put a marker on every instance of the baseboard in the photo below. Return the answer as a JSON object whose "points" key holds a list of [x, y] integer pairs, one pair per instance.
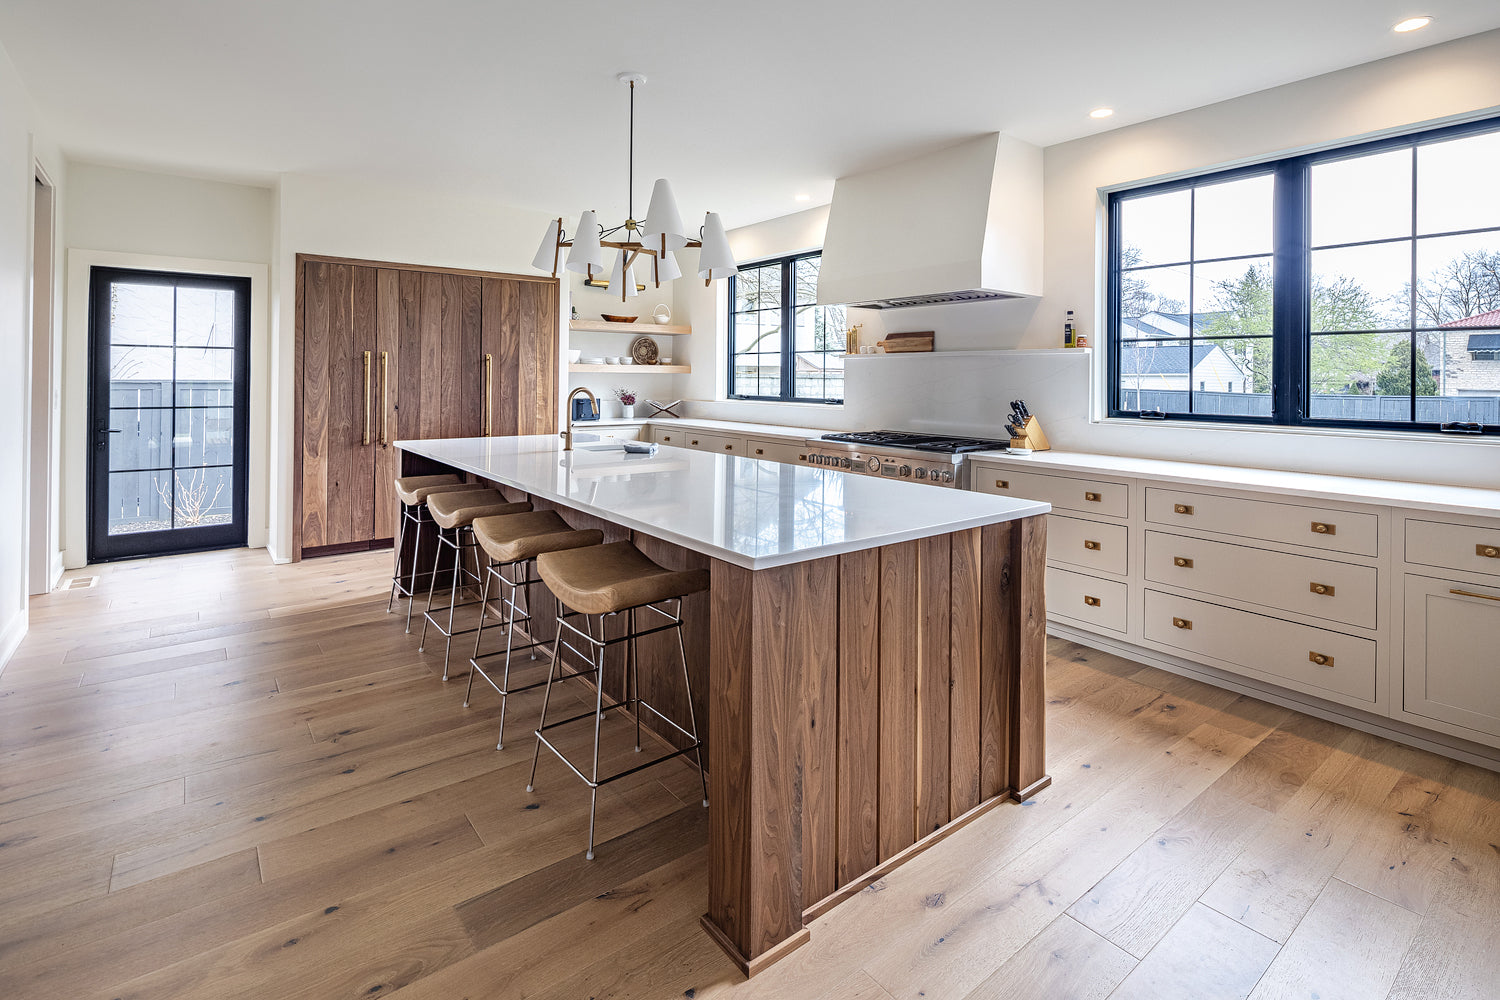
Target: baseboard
{"points": [[1376, 725], [11, 636], [276, 557], [55, 571]]}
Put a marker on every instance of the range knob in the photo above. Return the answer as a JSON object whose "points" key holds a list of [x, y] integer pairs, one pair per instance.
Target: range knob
{"points": [[844, 462], [905, 470], [922, 474], [872, 464]]}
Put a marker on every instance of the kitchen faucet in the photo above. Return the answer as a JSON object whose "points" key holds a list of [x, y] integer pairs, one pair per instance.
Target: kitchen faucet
{"points": [[567, 435]]}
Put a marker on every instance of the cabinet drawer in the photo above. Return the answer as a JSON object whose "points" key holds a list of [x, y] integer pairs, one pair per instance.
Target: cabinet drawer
{"points": [[1090, 544], [713, 442], [1285, 651], [609, 433], [1308, 585], [668, 435], [1451, 671], [1267, 520], [790, 452], [1086, 599], [1453, 546], [1086, 495]]}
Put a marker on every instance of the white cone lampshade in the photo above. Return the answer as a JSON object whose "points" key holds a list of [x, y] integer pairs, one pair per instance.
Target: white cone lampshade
{"points": [[586, 252], [715, 260], [664, 267], [663, 219], [622, 277], [547, 256]]}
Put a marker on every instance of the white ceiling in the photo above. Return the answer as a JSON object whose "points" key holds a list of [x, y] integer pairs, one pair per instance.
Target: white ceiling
{"points": [[747, 103]]}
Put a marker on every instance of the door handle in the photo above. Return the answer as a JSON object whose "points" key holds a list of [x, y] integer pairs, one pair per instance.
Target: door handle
{"points": [[385, 389], [105, 432], [489, 367], [365, 437]]}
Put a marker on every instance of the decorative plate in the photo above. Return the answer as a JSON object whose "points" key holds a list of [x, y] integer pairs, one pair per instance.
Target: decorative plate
{"points": [[644, 351]]}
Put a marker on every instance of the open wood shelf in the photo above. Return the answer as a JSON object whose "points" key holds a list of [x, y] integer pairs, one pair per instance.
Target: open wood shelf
{"points": [[639, 369], [604, 326]]}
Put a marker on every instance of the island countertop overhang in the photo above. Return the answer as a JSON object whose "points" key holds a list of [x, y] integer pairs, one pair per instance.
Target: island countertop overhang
{"points": [[751, 513]]}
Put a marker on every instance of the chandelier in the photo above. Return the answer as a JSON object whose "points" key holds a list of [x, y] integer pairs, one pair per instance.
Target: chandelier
{"points": [[656, 237]]}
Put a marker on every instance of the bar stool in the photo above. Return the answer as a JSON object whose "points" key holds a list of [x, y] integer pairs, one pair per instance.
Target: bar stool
{"points": [[413, 492], [454, 515], [605, 581], [512, 542]]}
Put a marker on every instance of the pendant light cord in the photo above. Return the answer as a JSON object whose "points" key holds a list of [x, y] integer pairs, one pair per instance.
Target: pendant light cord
{"points": [[630, 174]]}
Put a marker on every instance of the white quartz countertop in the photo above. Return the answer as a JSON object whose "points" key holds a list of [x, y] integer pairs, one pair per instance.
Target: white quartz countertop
{"points": [[1384, 492], [751, 513]]}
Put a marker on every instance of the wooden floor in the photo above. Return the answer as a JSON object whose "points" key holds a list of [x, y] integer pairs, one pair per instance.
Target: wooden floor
{"points": [[221, 778]]}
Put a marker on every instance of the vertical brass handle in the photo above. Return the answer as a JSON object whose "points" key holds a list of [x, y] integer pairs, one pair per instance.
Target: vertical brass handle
{"points": [[365, 436], [489, 367], [385, 398]]}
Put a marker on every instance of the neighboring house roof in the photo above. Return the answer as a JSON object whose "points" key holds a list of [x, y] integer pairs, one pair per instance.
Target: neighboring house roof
{"points": [[1155, 325], [1164, 359], [1491, 318]]}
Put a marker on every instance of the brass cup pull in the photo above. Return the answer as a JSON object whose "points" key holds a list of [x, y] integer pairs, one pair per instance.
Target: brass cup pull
{"points": [[365, 435], [1324, 529], [695, 441], [1092, 497], [1182, 562], [729, 447], [1091, 545], [1321, 659], [760, 451], [1182, 508], [666, 437], [1002, 484], [1092, 602], [1325, 589], [1487, 551], [1182, 623]]}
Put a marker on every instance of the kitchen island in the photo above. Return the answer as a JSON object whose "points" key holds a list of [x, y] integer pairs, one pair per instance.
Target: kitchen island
{"points": [[871, 654]]}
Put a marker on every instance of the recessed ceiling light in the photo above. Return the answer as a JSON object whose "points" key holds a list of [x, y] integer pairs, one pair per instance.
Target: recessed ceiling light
{"points": [[1412, 23], [803, 197], [1101, 112]]}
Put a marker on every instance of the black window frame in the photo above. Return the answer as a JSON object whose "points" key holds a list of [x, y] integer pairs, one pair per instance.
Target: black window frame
{"points": [[1291, 254], [788, 264]]}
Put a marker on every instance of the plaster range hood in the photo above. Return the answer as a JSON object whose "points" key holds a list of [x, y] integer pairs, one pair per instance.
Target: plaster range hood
{"points": [[963, 224]]}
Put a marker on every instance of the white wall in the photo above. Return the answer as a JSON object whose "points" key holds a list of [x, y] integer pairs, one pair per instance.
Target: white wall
{"points": [[319, 215], [131, 218]]}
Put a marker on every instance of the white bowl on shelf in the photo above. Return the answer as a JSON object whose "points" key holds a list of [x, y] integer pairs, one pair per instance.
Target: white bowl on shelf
{"points": [[611, 361], [573, 357], [625, 360], [664, 361], [593, 361]]}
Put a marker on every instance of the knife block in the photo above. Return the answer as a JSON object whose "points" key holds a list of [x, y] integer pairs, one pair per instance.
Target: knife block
{"points": [[1031, 437]]}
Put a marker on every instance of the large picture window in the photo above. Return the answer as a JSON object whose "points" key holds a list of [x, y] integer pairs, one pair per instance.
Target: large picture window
{"points": [[1354, 287], [784, 346]]}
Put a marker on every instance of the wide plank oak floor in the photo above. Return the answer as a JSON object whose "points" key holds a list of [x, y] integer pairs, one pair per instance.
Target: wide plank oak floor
{"points": [[223, 778]]}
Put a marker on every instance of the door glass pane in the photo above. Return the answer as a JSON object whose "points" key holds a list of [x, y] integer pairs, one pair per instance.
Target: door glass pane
{"points": [[139, 501], [203, 497], [143, 440], [205, 317], [1362, 198], [204, 436], [205, 376], [1233, 218], [140, 313]]}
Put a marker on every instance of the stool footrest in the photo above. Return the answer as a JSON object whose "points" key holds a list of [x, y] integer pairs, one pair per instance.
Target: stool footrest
{"points": [[620, 774]]}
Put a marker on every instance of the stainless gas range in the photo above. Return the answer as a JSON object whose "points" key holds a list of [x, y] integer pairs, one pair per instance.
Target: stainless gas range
{"points": [[935, 459]]}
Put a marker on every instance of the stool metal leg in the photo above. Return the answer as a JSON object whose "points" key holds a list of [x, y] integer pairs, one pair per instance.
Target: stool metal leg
{"points": [[692, 713], [484, 604], [633, 671], [396, 569], [598, 721], [546, 698], [458, 562], [431, 585], [416, 561]]}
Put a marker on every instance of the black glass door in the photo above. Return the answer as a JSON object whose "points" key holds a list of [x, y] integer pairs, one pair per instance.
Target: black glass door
{"points": [[169, 373]]}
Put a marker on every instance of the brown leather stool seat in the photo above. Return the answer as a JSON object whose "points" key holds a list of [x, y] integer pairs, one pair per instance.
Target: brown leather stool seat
{"points": [[608, 580], [512, 542], [412, 490], [458, 510], [605, 578]]}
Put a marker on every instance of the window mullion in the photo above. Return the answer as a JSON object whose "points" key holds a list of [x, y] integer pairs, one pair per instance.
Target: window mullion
{"points": [[1291, 337]]}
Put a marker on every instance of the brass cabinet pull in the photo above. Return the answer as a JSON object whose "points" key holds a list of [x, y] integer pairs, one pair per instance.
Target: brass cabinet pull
{"points": [[1470, 593], [1321, 659], [1002, 484], [695, 441], [1488, 551], [1092, 497], [365, 436], [385, 397], [1094, 546], [760, 451], [1183, 562], [489, 367], [1182, 623], [1325, 589], [1092, 602], [1324, 529], [1182, 508]]}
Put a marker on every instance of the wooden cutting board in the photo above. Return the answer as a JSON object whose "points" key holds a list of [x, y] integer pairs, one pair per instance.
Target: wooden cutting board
{"points": [[907, 343]]}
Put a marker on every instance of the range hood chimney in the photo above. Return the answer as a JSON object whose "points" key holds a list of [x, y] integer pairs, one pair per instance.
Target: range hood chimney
{"points": [[963, 224]]}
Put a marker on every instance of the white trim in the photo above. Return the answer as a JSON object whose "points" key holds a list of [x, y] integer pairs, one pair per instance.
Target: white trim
{"points": [[75, 388], [11, 636]]}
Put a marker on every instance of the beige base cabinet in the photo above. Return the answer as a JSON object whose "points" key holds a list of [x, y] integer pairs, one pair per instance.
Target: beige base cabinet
{"points": [[1374, 604]]}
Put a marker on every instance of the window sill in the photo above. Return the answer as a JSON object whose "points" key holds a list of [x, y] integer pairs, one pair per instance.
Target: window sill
{"points": [[1373, 434]]}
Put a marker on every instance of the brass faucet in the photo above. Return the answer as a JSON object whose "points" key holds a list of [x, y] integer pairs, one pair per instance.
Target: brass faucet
{"points": [[567, 435]]}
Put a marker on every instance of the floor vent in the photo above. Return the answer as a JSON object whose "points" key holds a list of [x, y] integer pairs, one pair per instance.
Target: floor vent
{"points": [[79, 583]]}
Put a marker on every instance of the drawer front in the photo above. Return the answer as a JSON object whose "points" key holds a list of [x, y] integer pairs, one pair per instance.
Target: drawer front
{"points": [[1286, 651], [713, 442], [790, 452], [1089, 544], [1267, 520], [1453, 546], [618, 433], [668, 435], [1086, 495], [1086, 599], [1452, 672], [1308, 585]]}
